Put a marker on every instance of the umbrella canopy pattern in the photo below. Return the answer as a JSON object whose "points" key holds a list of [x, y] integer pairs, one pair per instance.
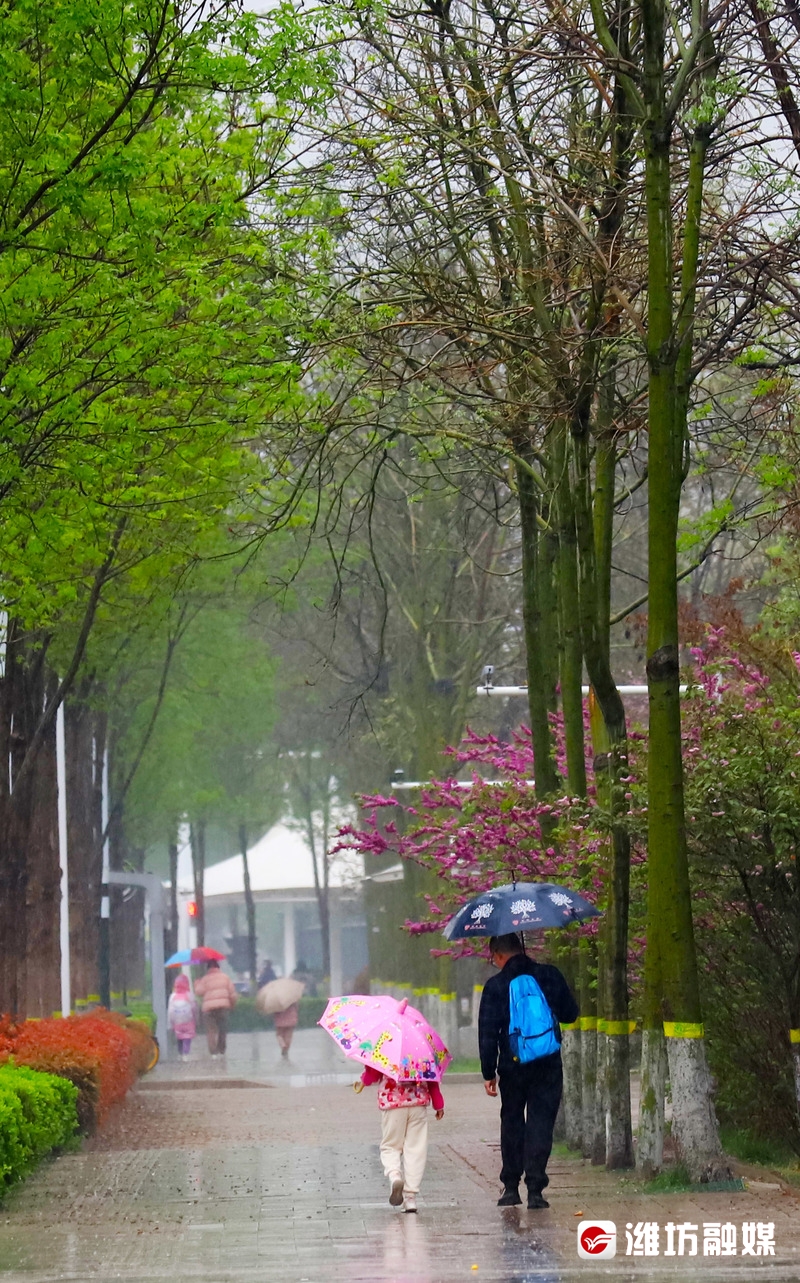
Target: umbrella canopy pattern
{"points": [[387, 1035], [193, 957], [524, 906], [279, 994]]}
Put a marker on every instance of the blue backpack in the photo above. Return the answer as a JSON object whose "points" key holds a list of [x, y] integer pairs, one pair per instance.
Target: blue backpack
{"points": [[533, 1030]]}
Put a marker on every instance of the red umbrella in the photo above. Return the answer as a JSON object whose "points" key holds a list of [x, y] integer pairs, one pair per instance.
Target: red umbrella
{"points": [[193, 957]]}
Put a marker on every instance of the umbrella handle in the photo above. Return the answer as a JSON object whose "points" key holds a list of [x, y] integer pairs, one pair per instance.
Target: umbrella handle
{"points": [[358, 1086]]}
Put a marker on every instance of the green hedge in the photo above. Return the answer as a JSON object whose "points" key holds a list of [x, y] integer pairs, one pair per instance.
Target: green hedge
{"points": [[37, 1114], [245, 1019]]}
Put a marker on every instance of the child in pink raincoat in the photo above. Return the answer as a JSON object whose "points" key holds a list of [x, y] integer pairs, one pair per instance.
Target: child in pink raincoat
{"points": [[404, 1132], [182, 1015]]}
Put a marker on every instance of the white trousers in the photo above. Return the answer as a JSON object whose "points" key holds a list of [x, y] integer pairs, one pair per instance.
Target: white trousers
{"points": [[404, 1145]]}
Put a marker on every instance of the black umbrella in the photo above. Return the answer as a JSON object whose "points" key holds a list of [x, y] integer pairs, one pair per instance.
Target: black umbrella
{"points": [[523, 906]]}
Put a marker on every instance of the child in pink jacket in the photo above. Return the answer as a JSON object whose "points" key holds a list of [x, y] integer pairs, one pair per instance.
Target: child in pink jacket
{"points": [[182, 1015], [404, 1132]]}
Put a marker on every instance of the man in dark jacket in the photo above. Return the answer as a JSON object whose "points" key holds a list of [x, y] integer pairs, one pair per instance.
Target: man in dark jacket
{"points": [[530, 1094]]}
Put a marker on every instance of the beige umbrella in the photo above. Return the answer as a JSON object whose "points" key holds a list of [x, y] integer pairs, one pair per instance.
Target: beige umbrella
{"points": [[278, 995]]}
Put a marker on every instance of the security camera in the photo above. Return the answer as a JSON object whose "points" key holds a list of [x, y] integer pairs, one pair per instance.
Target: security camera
{"points": [[488, 674]]}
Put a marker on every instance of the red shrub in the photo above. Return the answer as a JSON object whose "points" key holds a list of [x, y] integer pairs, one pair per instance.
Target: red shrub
{"points": [[101, 1052]]}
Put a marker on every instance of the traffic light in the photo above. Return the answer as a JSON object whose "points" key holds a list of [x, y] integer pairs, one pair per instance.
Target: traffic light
{"points": [[191, 908]]}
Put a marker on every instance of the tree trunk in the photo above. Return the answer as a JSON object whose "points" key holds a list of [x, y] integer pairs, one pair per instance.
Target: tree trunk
{"points": [[43, 884], [321, 892], [587, 955], [250, 911], [570, 647], [650, 1137], [84, 825], [171, 942], [609, 735], [573, 1087], [669, 895], [650, 1144], [536, 583], [794, 1039], [197, 841], [565, 955], [598, 1146], [23, 862]]}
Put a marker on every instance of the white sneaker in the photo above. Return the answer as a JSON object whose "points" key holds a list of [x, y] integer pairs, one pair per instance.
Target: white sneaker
{"points": [[410, 1203], [396, 1195]]}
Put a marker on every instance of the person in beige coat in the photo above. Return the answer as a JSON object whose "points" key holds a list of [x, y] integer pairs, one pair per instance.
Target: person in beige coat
{"points": [[219, 997]]}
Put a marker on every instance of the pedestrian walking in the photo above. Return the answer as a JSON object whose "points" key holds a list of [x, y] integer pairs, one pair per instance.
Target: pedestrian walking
{"points": [[267, 973], [285, 1024], [219, 998], [519, 1037], [404, 1132], [182, 1015]]}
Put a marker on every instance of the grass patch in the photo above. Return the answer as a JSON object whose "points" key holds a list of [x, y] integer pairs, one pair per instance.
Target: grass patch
{"points": [[757, 1149], [562, 1150], [464, 1065], [674, 1180]]}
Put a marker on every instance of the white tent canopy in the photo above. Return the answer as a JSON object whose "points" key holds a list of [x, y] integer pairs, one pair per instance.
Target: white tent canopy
{"points": [[281, 860]]}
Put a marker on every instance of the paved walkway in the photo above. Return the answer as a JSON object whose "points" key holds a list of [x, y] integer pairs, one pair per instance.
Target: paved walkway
{"points": [[282, 1184]]}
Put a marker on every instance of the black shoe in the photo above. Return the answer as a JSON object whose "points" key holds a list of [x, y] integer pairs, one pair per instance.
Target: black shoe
{"points": [[536, 1201], [509, 1197]]}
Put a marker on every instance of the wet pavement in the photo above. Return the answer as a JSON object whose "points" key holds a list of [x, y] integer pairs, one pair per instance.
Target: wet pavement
{"points": [[225, 1184], [315, 1059]]}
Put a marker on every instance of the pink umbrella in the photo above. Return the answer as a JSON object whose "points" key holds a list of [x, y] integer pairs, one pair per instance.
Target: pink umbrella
{"points": [[388, 1036]]}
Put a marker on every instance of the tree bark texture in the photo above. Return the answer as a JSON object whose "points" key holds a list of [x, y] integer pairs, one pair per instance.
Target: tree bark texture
{"points": [[695, 1129], [197, 841], [619, 1132], [650, 1136], [598, 1140], [650, 1145], [587, 954], [536, 586], [250, 912], [669, 360], [29, 874], [573, 1088], [84, 746], [43, 883], [796, 1068], [171, 941], [570, 642], [126, 926], [612, 1003]]}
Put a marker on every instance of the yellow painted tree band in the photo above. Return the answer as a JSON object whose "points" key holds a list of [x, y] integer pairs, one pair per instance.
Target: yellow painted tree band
{"points": [[587, 1022], [565, 1029], [683, 1029], [615, 1028], [794, 1035]]}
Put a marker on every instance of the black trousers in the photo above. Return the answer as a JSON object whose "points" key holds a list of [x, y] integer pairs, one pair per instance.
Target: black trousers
{"points": [[529, 1096]]}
